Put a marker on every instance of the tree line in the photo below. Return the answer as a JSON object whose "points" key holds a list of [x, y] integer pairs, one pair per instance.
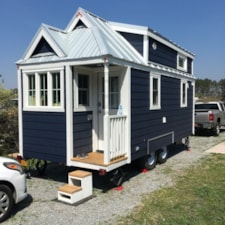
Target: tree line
{"points": [[206, 89]]}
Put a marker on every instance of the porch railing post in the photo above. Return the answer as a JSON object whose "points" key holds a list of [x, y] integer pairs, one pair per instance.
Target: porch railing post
{"points": [[106, 116]]}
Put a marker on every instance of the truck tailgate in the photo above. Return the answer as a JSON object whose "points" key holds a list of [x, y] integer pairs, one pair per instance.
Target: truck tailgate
{"points": [[201, 116]]}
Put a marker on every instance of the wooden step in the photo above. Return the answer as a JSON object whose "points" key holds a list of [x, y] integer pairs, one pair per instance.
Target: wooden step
{"points": [[69, 189], [80, 173]]}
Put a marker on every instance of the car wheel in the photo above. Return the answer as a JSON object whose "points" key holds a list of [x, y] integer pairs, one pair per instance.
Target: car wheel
{"points": [[150, 161], [162, 155], [216, 130], [6, 202]]}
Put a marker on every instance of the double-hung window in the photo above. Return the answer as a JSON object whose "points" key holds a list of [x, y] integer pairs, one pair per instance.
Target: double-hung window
{"points": [[155, 91], [31, 90], [56, 89], [43, 90], [183, 93]]}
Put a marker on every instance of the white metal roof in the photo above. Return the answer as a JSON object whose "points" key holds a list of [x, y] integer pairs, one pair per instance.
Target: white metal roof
{"points": [[96, 39]]}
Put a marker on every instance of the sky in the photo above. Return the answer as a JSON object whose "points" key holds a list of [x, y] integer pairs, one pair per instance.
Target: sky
{"points": [[196, 25]]}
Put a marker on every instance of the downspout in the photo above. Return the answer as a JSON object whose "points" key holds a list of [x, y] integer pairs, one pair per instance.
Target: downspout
{"points": [[106, 113]]}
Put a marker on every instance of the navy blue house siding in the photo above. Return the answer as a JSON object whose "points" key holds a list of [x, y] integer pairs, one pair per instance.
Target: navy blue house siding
{"points": [[82, 132], [44, 136], [162, 54], [135, 40], [147, 124]]}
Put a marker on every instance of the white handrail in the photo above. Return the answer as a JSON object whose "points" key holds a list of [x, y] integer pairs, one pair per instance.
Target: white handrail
{"points": [[117, 137]]}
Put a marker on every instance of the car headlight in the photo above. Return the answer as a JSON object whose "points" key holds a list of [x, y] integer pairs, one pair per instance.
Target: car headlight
{"points": [[14, 166]]}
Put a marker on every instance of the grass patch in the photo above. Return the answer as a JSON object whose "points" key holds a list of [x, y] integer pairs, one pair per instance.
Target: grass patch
{"points": [[197, 198]]}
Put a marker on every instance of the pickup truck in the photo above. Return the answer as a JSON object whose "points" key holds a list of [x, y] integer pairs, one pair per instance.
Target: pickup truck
{"points": [[209, 116]]}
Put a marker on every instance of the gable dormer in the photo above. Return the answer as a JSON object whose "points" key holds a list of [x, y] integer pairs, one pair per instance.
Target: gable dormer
{"points": [[44, 43], [79, 25], [43, 47], [79, 20]]}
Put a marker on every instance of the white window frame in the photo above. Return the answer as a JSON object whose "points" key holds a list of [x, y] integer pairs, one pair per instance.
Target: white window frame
{"points": [[77, 106], [151, 91], [50, 106], [183, 93], [184, 58]]}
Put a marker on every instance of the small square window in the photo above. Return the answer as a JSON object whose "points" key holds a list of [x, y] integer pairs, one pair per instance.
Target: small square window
{"points": [[181, 62]]}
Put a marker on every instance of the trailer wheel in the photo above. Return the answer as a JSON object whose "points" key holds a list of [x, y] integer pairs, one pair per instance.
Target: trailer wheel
{"points": [[150, 161], [41, 166], [162, 155], [117, 177]]}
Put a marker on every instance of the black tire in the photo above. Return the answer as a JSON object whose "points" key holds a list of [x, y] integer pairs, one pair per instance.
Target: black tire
{"points": [[162, 155], [216, 130], [6, 202], [41, 166], [150, 161]]}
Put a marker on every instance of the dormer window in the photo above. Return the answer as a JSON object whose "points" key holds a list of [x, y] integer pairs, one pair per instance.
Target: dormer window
{"points": [[182, 63]]}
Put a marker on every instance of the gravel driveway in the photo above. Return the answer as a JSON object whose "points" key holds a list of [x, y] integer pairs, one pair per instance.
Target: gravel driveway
{"points": [[41, 206]]}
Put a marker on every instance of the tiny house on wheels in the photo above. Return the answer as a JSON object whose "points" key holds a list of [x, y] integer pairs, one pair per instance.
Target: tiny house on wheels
{"points": [[100, 94]]}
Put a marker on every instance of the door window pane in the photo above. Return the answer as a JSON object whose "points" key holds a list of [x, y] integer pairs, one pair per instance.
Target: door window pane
{"points": [[83, 85], [114, 94]]}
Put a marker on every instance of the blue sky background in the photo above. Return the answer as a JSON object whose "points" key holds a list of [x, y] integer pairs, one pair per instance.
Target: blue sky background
{"points": [[196, 25]]}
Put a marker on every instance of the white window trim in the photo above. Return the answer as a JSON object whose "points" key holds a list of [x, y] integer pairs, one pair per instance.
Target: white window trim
{"points": [[158, 77], [38, 107], [184, 68], [78, 107], [185, 82]]}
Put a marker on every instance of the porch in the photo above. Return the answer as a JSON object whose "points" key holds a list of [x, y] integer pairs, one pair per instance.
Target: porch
{"points": [[116, 147]]}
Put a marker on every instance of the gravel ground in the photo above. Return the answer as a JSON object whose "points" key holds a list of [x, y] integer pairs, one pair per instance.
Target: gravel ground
{"points": [[41, 207]]}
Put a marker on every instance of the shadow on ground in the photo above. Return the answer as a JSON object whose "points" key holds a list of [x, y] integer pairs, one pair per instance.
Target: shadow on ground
{"points": [[59, 172]]}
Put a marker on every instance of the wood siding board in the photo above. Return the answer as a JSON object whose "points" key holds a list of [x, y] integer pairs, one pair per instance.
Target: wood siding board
{"points": [[147, 124], [135, 40], [82, 132], [163, 54], [44, 136]]}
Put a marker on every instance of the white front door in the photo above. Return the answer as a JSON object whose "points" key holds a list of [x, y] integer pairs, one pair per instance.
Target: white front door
{"points": [[114, 101]]}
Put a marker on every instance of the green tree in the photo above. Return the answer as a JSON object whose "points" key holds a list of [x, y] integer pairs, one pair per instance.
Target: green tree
{"points": [[222, 88], [8, 118]]}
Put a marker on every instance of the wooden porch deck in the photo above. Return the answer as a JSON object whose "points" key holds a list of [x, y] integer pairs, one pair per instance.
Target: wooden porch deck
{"points": [[97, 158]]}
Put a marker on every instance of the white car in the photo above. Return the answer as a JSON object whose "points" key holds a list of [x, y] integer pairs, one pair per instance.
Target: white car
{"points": [[13, 188]]}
